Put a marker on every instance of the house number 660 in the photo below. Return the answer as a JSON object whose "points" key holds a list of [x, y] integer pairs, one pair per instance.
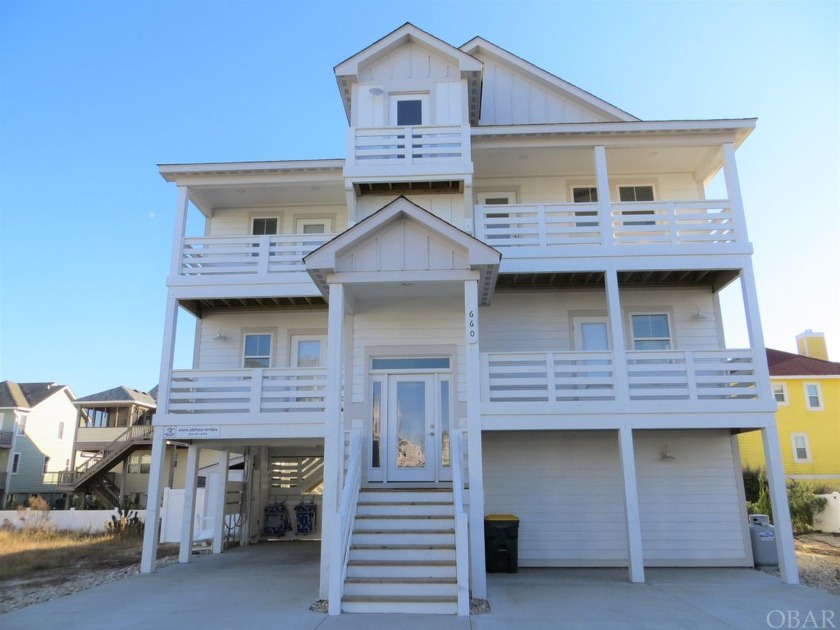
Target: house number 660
{"points": [[472, 334]]}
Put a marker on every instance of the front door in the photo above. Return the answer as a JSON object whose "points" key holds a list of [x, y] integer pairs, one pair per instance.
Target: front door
{"points": [[412, 445]]}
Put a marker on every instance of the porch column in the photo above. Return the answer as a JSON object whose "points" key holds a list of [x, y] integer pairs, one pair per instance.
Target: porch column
{"points": [[180, 230], [779, 502], [221, 495], [478, 577], [755, 334], [151, 533], [247, 498], [631, 505], [733, 192], [188, 516], [619, 352], [333, 437], [604, 205]]}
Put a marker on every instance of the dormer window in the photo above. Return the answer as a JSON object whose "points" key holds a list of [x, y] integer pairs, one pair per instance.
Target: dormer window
{"points": [[409, 110]]}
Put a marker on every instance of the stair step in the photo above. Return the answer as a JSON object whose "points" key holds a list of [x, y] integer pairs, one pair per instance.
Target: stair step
{"points": [[401, 553], [401, 587], [405, 508], [389, 537], [401, 569], [405, 496], [443, 605], [403, 523]]}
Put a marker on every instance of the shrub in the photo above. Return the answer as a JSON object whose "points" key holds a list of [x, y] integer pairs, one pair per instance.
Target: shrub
{"points": [[125, 524], [35, 517], [803, 501]]}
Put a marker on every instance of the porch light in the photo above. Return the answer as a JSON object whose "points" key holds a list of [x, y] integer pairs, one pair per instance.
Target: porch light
{"points": [[376, 89], [219, 336], [666, 456], [699, 314]]}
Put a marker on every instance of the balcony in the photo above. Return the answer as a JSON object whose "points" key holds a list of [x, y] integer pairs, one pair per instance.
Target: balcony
{"points": [[574, 230], [269, 395], [580, 382], [413, 152], [247, 259], [6, 438]]}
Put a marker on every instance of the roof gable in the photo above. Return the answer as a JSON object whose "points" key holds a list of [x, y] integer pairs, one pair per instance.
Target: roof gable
{"points": [[26, 395], [119, 394], [542, 97], [442, 58], [402, 236]]}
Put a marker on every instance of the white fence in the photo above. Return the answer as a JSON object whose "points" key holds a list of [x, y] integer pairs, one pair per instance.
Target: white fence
{"points": [[829, 519], [67, 520]]}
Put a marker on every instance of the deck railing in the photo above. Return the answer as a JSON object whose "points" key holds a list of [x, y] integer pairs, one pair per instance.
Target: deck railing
{"points": [[248, 391], [560, 377], [237, 255], [516, 226], [408, 145], [343, 520], [462, 525], [6, 438]]}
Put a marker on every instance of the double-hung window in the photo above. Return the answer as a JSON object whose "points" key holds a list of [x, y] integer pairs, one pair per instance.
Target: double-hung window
{"points": [[496, 223], [780, 393], [651, 331], [813, 397], [636, 194], [257, 353], [586, 194], [801, 447], [263, 225]]}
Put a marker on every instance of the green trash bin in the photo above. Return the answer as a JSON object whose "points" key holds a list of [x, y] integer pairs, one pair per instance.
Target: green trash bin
{"points": [[501, 543]]}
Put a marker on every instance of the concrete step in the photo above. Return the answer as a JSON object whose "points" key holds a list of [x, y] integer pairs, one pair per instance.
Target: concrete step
{"points": [[401, 587], [401, 553], [399, 522], [411, 508], [441, 605], [405, 496], [386, 537], [401, 569]]}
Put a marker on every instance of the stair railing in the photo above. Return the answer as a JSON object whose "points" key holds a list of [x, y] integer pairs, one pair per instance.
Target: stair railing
{"points": [[343, 520], [107, 454], [462, 538]]}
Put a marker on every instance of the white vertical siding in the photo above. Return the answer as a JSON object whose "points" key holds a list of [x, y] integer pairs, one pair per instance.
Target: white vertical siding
{"points": [[690, 509], [450, 208], [566, 489]]}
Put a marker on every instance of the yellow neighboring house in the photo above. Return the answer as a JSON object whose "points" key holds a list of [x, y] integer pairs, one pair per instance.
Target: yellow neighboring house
{"points": [[807, 389]]}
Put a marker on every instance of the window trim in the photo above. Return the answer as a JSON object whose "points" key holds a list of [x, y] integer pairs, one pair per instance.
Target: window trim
{"points": [[327, 222], [632, 337], [271, 346], [808, 455], [785, 400], [425, 112], [16, 458], [265, 215], [294, 343], [821, 405]]}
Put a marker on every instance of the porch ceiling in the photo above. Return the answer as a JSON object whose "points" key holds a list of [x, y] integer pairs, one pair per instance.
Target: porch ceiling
{"points": [[199, 307], [715, 279]]}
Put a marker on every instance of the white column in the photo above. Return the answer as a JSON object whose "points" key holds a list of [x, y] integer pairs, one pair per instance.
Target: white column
{"points": [[478, 574], [631, 505], [221, 496], [755, 333], [180, 231], [170, 326], [604, 206], [619, 352], [333, 435], [188, 517], [247, 499], [779, 502], [733, 192], [151, 534]]}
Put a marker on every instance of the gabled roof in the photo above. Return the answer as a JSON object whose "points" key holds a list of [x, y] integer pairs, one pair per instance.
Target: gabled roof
{"points": [[119, 394], [479, 255], [347, 72], [479, 45], [790, 364], [26, 395]]}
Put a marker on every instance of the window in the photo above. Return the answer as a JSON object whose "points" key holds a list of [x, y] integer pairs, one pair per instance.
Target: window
{"points": [[813, 396], [15, 463], [46, 463], [21, 427], [264, 225], [257, 351], [780, 393], [139, 464], [651, 332], [308, 351], [60, 430], [801, 447], [313, 226], [633, 194], [495, 228], [409, 109], [587, 194]]}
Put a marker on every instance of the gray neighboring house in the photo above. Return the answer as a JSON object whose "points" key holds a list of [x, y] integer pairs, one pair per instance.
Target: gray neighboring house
{"points": [[37, 432], [112, 450]]}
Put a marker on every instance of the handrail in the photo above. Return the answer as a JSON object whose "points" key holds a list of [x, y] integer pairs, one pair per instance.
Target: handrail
{"points": [[344, 518], [133, 433], [462, 539]]}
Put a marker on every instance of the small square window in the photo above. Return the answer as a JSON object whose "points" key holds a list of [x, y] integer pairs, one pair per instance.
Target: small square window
{"points": [[780, 393], [813, 396], [409, 112], [264, 225]]}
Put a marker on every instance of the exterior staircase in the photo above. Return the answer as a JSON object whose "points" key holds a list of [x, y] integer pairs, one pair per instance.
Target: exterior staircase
{"points": [[402, 552]]}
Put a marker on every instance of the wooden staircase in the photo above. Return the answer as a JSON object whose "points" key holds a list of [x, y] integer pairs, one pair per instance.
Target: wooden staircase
{"points": [[402, 552]]}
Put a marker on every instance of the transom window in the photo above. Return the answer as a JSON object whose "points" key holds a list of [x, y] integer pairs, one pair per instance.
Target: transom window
{"points": [[780, 393], [813, 396], [313, 226], [257, 351], [801, 447], [416, 363], [264, 225], [651, 331]]}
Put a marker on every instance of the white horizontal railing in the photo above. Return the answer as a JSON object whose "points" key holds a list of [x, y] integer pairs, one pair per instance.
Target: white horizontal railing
{"points": [[248, 391], [236, 255], [343, 521], [407, 145], [570, 224], [554, 377]]}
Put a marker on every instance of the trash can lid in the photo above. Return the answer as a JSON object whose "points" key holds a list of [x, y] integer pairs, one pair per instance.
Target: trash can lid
{"points": [[501, 517]]}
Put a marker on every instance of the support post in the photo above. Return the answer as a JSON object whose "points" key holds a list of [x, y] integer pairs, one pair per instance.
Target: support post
{"points": [[478, 577], [180, 230], [779, 502], [151, 533], [221, 496], [333, 438], [620, 377], [602, 182], [631, 505], [188, 518], [246, 508], [733, 192], [755, 334]]}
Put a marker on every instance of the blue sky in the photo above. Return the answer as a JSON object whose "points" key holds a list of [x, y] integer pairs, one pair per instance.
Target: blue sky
{"points": [[93, 95]]}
